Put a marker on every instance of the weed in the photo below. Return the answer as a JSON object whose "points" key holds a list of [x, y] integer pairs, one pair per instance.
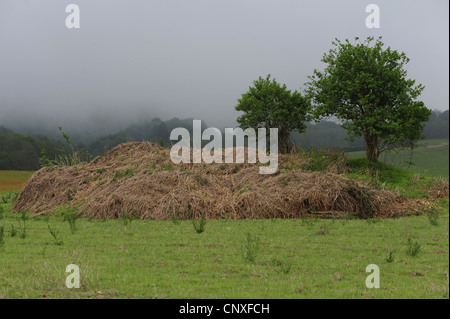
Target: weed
{"points": [[24, 218], [168, 167], [433, 217], [391, 258], [201, 179], [101, 170], [2, 236], [373, 220], [74, 157], [70, 215], [13, 231], [199, 225], [1, 212], [413, 248], [251, 248], [9, 198], [44, 159], [127, 216], [55, 234], [175, 219], [126, 173]]}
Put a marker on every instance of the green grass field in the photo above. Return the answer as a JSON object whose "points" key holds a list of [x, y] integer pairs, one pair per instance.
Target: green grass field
{"points": [[430, 158], [303, 258], [308, 258]]}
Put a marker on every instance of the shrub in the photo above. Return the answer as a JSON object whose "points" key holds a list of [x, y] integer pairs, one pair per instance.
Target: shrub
{"points": [[413, 248], [251, 248], [199, 225]]}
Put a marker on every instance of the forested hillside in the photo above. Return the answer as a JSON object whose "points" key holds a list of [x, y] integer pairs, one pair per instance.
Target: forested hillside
{"points": [[20, 152]]}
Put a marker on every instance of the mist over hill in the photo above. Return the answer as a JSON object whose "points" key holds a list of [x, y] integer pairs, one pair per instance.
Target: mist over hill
{"points": [[21, 146]]}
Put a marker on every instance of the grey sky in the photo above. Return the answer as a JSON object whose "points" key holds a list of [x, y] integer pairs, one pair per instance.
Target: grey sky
{"points": [[193, 58]]}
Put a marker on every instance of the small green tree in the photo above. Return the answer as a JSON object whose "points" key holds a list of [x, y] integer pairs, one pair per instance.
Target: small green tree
{"points": [[269, 104], [366, 87]]}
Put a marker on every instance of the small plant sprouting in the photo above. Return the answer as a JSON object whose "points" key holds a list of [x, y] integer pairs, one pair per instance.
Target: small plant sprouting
{"points": [[251, 248], [433, 217], [126, 173], [199, 225], [201, 180], [55, 234], [70, 215], [391, 258], [413, 248], [44, 159], [13, 231], [127, 216], [9, 197], [175, 219], [24, 217], [2, 236]]}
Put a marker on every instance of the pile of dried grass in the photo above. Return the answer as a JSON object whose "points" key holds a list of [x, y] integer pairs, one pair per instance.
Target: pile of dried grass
{"points": [[140, 178]]}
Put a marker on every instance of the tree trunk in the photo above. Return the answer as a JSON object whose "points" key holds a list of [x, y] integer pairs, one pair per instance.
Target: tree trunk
{"points": [[372, 148], [284, 145]]}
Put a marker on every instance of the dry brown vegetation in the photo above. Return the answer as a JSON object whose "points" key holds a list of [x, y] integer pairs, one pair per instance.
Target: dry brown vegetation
{"points": [[140, 179]]}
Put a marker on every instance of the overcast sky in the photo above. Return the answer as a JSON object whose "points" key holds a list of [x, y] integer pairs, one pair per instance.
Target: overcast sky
{"points": [[193, 58]]}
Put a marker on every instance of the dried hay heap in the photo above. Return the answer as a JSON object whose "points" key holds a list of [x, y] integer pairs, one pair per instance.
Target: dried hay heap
{"points": [[140, 179]]}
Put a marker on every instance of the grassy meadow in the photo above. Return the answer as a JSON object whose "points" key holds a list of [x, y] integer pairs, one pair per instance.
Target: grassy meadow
{"points": [[271, 258], [431, 157], [309, 258]]}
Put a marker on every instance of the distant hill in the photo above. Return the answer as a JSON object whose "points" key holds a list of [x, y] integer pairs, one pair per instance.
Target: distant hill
{"points": [[20, 152]]}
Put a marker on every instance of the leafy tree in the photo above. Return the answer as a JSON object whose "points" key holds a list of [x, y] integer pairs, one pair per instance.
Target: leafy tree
{"points": [[366, 87], [269, 104]]}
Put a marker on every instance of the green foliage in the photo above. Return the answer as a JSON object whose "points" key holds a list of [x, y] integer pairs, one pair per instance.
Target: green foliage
{"points": [[13, 231], [70, 215], [19, 152], [44, 159], [251, 248], [55, 235], [390, 258], [199, 225], [9, 197], [125, 173], [128, 215], [269, 104], [202, 180], [2, 236], [431, 157], [413, 248], [175, 219], [367, 88], [24, 218], [74, 157], [433, 217]]}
